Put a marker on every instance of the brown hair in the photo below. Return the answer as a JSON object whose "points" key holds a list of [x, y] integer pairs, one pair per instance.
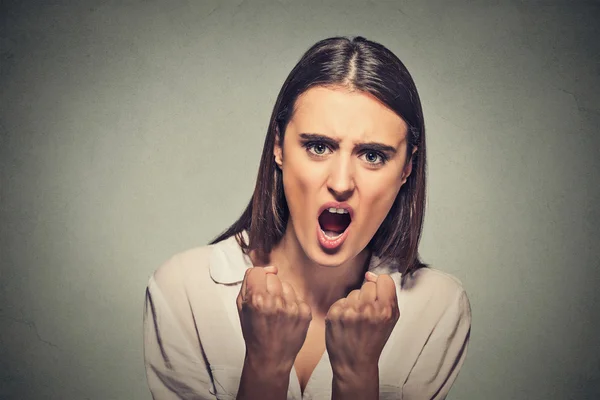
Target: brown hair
{"points": [[365, 66]]}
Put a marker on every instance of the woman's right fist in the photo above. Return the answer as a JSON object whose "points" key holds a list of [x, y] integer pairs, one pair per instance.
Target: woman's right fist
{"points": [[274, 322]]}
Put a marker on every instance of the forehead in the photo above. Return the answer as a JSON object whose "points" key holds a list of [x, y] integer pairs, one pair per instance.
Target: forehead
{"points": [[344, 113]]}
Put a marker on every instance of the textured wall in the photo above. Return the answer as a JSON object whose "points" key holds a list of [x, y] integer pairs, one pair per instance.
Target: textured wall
{"points": [[131, 130]]}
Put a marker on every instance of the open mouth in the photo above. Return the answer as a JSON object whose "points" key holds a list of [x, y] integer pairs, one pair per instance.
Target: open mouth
{"points": [[334, 221]]}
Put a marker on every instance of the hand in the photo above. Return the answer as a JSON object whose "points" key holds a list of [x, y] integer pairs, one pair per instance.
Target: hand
{"points": [[274, 322], [358, 326]]}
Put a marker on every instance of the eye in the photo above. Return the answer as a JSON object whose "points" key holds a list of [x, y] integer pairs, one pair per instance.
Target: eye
{"points": [[374, 157], [316, 148]]}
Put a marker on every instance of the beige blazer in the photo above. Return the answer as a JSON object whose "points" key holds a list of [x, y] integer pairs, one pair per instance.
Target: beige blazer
{"points": [[194, 348]]}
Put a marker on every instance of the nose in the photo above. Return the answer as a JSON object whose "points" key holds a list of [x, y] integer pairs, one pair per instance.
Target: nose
{"points": [[341, 182]]}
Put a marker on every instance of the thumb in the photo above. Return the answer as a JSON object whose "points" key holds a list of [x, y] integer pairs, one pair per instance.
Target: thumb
{"points": [[270, 269], [371, 277]]}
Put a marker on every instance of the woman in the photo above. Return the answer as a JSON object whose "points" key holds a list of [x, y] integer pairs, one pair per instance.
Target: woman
{"points": [[317, 291]]}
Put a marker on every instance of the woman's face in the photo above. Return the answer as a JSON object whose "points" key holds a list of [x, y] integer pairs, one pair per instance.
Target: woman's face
{"points": [[343, 162]]}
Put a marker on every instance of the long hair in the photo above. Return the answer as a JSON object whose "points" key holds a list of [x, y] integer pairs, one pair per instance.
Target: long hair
{"points": [[358, 64]]}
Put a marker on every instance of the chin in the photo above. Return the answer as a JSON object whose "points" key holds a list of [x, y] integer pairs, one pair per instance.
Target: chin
{"points": [[329, 260]]}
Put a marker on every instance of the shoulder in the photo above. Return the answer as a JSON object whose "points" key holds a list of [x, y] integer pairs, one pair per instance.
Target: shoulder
{"points": [[181, 267], [436, 288], [220, 263], [431, 279]]}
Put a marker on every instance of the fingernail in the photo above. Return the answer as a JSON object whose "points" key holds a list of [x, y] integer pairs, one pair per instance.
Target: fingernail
{"points": [[371, 275]]}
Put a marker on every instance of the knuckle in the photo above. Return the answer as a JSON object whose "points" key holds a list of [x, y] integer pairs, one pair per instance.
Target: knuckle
{"points": [[292, 308], [269, 302], [278, 303], [349, 315], [388, 313], [304, 311], [334, 313], [367, 309], [257, 301], [256, 298], [395, 313]]}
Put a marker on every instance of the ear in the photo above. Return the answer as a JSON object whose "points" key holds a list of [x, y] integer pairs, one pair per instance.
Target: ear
{"points": [[278, 151], [408, 168]]}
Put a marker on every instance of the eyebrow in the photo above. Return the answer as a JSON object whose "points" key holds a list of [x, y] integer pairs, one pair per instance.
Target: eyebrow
{"points": [[384, 148]]}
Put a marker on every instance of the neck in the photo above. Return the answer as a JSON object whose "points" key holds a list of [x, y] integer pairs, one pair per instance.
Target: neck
{"points": [[317, 285]]}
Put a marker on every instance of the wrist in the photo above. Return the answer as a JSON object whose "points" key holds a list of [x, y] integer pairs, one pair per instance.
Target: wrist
{"points": [[265, 367], [362, 383], [266, 381], [360, 372]]}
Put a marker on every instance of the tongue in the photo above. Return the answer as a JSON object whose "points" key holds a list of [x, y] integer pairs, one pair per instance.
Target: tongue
{"points": [[333, 223]]}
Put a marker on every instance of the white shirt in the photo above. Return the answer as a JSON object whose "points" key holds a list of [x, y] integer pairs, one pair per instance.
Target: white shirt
{"points": [[194, 348]]}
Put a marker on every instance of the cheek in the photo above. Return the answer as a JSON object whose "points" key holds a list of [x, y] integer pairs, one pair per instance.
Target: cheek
{"points": [[296, 181], [300, 186], [378, 195]]}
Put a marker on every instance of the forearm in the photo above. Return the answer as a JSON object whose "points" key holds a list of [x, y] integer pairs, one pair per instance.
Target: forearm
{"points": [[363, 384], [260, 382]]}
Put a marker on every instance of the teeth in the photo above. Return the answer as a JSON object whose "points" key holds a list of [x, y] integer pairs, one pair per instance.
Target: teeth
{"points": [[331, 235], [334, 210]]}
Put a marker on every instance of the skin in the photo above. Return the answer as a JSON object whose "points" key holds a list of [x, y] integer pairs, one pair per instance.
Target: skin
{"points": [[269, 311], [311, 286], [363, 320]]}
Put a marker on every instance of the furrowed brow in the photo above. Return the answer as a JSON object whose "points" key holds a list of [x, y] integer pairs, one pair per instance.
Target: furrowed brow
{"points": [[374, 146], [320, 138]]}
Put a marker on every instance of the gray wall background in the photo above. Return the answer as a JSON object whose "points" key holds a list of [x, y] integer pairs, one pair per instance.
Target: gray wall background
{"points": [[132, 130]]}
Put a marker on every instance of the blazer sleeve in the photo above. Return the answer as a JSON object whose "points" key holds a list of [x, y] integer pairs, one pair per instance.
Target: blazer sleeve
{"points": [[443, 354], [175, 364]]}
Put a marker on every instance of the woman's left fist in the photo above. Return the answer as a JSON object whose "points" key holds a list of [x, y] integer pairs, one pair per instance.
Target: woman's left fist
{"points": [[358, 326]]}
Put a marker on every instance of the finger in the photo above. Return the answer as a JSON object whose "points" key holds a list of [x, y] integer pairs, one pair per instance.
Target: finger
{"points": [[349, 316], [239, 300], [256, 281], [288, 293], [271, 269], [244, 287], [274, 285], [370, 277], [335, 311], [293, 303], [333, 314], [368, 293], [304, 311], [386, 290], [275, 290], [353, 299]]}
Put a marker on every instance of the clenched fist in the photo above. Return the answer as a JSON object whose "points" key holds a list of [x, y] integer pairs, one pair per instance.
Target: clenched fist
{"points": [[274, 322], [358, 326]]}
